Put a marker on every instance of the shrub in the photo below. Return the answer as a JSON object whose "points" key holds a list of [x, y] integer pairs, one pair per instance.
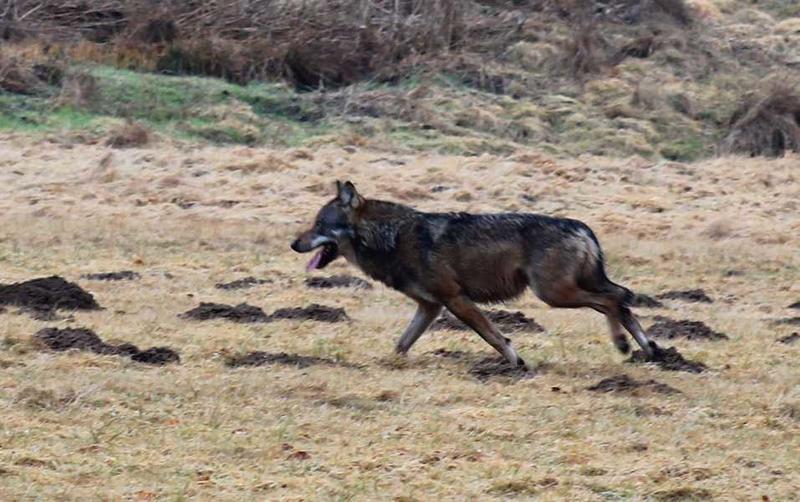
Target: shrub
{"points": [[767, 124]]}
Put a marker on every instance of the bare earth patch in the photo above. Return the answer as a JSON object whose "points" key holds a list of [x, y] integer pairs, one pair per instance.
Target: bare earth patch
{"points": [[789, 321], [264, 358], [313, 312], [493, 367], [790, 339], [337, 281], [485, 367], [668, 359], [502, 319], [84, 339], [124, 275], [244, 283], [689, 295], [47, 294], [242, 312], [624, 384], [670, 329]]}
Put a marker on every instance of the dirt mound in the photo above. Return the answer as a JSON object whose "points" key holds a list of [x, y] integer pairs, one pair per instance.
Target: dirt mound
{"points": [[483, 367], [123, 275], [645, 302], [670, 329], [502, 319], [247, 282], [668, 359], [795, 305], [789, 321], [240, 313], [627, 385], [313, 312], [79, 338], [156, 355], [337, 281], [245, 313], [263, 358], [789, 339], [490, 367], [84, 339], [688, 295], [47, 293]]}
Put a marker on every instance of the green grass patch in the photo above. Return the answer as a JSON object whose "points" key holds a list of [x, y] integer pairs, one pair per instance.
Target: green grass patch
{"points": [[193, 108]]}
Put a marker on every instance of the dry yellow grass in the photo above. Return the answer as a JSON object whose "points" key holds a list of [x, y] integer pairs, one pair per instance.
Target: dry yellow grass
{"points": [[79, 427]]}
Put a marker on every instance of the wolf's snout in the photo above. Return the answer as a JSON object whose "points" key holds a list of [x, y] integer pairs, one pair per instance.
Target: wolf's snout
{"points": [[297, 246]]}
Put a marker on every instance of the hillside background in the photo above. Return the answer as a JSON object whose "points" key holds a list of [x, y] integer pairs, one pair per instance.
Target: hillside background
{"points": [[654, 78]]}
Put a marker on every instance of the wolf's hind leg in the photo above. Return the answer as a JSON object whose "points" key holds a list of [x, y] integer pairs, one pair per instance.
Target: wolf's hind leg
{"points": [[632, 325], [470, 315], [570, 295], [618, 335], [426, 313]]}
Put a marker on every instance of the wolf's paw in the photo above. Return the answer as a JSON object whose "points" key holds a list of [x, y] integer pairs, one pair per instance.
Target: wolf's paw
{"points": [[653, 351]]}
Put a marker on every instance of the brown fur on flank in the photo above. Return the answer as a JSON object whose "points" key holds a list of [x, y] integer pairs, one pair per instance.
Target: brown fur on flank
{"points": [[455, 260]]}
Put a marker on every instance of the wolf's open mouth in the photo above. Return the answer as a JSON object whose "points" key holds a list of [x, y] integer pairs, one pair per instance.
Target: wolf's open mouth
{"points": [[325, 255]]}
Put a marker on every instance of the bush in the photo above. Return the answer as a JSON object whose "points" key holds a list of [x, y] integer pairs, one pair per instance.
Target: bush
{"points": [[766, 124], [128, 135], [16, 77]]}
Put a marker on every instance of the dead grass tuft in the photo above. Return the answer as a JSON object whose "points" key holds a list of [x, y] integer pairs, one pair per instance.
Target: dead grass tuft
{"points": [[766, 124], [718, 229], [17, 77], [584, 50], [216, 57], [128, 135], [79, 90]]}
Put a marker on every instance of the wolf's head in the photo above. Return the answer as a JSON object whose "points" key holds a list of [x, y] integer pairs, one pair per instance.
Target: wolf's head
{"points": [[333, 227]]}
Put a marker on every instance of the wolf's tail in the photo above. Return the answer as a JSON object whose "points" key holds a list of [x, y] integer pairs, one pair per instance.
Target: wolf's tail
{"points": [[600, 283]]}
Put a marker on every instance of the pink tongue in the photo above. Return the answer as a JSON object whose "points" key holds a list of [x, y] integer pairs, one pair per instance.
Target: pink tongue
{"points": [[314, 261]]}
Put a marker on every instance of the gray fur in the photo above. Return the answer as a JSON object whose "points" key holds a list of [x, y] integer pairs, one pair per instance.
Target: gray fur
{"points": [[455, 260]]}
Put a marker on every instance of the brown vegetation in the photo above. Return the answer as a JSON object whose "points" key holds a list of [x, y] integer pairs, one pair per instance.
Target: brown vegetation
{"points": [[644, 77], [128, 135], [766, 124], [448, 422], [315, 44], [17, 77], [312, 44]]}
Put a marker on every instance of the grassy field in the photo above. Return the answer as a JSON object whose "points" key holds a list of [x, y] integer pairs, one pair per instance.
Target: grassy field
{"points": [[79, 426]]}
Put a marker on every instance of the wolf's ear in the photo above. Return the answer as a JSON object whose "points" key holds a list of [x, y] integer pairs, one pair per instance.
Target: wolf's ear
{"points": [[348, 195]]}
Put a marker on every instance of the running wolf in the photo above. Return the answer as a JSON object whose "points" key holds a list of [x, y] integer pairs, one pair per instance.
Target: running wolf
{"points": [[455, 260]]}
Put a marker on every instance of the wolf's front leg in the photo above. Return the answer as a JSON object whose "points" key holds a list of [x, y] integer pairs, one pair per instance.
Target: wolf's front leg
{"points": [[426, 313], [471, 315]]}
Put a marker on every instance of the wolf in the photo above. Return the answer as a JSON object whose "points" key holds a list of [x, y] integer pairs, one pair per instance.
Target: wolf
{"points": [[457, 260]]}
